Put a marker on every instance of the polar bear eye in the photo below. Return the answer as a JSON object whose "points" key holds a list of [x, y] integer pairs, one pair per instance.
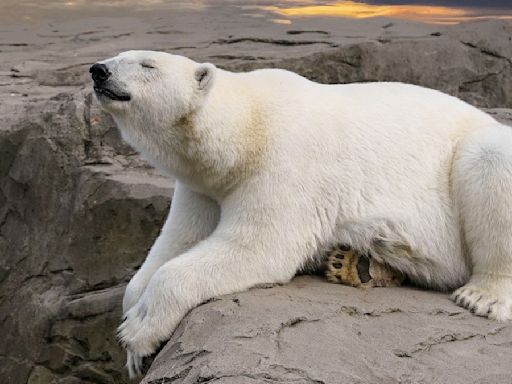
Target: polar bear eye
{"points": [[147, 65]]}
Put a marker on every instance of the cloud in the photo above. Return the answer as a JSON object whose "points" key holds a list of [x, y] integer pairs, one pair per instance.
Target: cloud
{"points": [[505, 4]]}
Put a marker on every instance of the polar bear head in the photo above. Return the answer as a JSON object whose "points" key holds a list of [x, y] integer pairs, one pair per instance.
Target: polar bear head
{"points": [[151, 84], [173, 111], [152, 97]]}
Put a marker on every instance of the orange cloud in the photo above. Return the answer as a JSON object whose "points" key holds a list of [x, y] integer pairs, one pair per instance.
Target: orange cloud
{"points": [[357, 10]]}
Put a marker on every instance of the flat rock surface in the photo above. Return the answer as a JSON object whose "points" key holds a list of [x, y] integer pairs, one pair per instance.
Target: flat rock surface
{"points": [[310, 331]]}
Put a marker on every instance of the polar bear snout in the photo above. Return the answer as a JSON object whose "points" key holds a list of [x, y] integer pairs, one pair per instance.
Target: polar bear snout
{"points": [[99, 73], [104, 87]]}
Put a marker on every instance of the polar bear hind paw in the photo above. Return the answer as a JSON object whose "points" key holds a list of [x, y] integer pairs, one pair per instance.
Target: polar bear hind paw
{"points": [[347, 266], [485, 300]]}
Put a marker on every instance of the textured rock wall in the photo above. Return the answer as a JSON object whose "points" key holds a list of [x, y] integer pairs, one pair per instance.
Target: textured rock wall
{"points": [[78, 211]]}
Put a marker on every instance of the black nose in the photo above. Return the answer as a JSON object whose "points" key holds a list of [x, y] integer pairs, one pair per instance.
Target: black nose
{"points": [[99, 73]]}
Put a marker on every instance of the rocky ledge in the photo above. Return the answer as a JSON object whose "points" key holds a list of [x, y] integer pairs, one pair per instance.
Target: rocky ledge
{"points": [[312, 332]]}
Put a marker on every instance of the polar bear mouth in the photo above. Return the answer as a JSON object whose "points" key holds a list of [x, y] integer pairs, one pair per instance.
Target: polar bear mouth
{"points": [[111, 94]]}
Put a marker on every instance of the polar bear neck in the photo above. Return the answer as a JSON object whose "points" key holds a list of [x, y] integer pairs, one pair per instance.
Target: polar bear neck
{"points": [[224, 140], [215, 145]]}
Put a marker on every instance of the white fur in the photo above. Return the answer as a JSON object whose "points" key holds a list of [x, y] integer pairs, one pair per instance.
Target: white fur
{"points": [[272, 169]]}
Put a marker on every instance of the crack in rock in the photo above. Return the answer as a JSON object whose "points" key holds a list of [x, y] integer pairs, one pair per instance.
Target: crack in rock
{"points": [[282, 42], [487, 51], [191, 356], [172, 379], [480, 79], [261, 377], [293, 322], [356, 312], [425, 346]]}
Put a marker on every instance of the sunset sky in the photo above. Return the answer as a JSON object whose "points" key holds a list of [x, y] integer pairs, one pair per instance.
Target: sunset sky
{"points": [[449, 3], [431, 11], [427, 11]]}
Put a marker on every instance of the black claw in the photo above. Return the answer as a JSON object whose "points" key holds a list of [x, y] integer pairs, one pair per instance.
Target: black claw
{"points": [[119, 339], [340, 256], [363, 269], [337, 265], [345, 247], [456, 298]]}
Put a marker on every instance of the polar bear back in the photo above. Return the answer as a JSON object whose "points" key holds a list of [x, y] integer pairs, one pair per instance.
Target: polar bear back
{"points": [[367, 150]]}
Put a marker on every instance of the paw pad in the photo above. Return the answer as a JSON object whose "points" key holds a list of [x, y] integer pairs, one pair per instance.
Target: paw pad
{"points": [[349, 267]]}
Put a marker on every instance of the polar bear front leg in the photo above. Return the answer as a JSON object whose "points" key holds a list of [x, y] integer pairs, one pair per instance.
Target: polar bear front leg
{"points": [[483, 190], [243, 251], [192, 218]]}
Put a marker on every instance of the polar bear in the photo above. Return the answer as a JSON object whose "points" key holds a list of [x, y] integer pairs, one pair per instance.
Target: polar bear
{"points": [[272, 169]]}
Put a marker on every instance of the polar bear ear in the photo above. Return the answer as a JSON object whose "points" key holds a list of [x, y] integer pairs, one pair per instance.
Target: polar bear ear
{"points": [[204, 76]]}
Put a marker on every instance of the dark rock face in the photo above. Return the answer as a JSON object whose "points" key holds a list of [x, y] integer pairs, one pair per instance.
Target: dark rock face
{"points": [[309, 332], [79, 210], [77, 216]]}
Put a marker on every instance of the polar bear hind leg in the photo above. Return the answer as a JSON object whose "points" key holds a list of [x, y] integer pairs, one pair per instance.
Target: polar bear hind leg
{"points": [[482, 185]]}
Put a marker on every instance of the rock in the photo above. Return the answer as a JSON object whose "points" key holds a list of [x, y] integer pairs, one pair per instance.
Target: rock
{"points": [[473, 71], [501, 114], [310, 331], [41, 375], [78, 213]]}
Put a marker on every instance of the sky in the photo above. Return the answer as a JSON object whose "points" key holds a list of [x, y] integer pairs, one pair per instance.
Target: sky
{"points": [[449, 3], [435, 11]]}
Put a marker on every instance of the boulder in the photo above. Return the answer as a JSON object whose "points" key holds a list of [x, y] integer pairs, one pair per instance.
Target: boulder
{"points": [[478, 71]]}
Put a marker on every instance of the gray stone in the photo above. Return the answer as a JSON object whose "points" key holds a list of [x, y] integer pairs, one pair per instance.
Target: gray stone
{"points": [[79, 210], [502, 115], [310, 331], [41, 375], [475, 72]]}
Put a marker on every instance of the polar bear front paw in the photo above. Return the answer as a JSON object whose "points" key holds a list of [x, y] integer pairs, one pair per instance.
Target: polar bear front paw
{"points": [[132, 334], [489, 297], [143, 329]]}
